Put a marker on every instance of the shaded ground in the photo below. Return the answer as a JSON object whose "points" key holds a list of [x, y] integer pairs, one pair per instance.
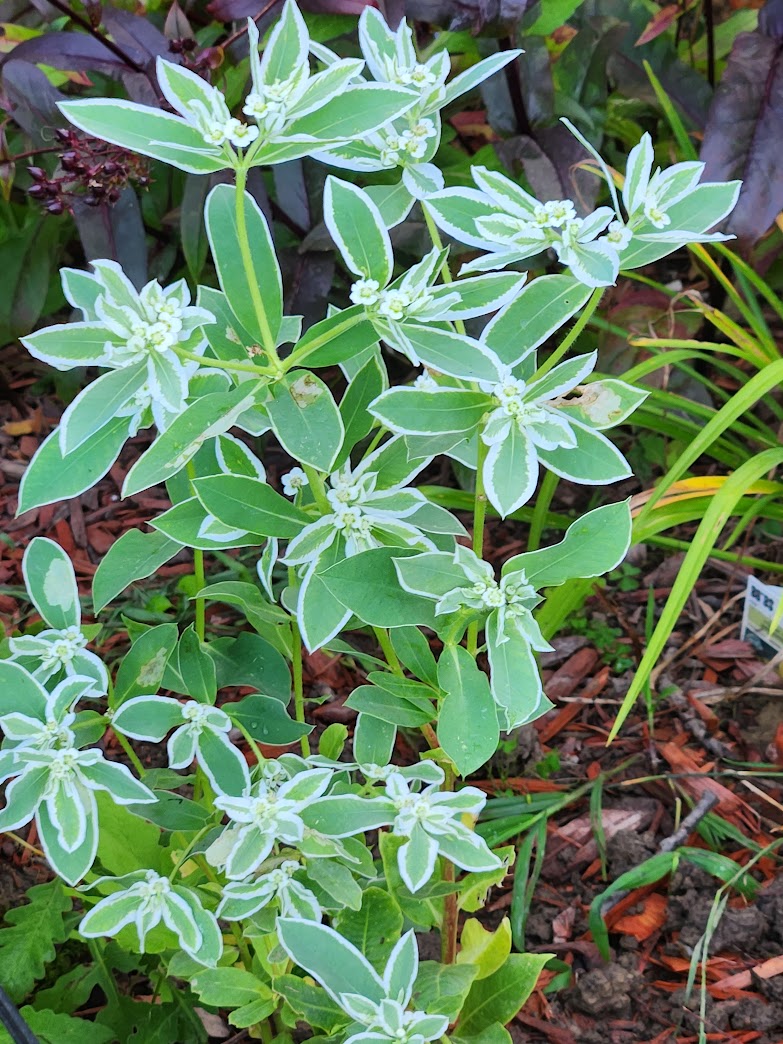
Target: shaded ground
{"points": [[718, 728]]}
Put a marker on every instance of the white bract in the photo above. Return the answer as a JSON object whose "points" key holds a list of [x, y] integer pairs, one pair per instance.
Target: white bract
{"points": [[145, 899], [293, 899], [264, 816]]}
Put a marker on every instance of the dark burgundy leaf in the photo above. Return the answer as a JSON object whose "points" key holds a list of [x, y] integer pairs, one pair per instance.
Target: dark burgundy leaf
{"points": [[177, 26], [493, 17], [550, 165], [72, 51], [744, 131], [771, 19], [291, 192], [263, 11], [136, 35], [32, 99], [116, 232]]}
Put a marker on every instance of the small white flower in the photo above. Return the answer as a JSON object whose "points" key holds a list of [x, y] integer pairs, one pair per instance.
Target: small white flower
{"points": [[293, 481], [240, 134], [654, 214], [619, 235], [394, 304], [365, 292], [425, 382]]}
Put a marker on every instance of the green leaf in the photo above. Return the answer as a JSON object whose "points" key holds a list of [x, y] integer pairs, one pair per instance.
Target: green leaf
{"points": [[229, 987], [494, 1034], [373, 740], [332, 741], [246, 503], [593, 545], [256, 300], [375, 928], [142, 668], [365, 387], [542, 306], [206, 417], [413, 411], [312, 1004], [305, 418], [500, 996], [468, 699], [337, 881], [52, 1027], [174, 812], [51, 583], [409, 712], [335, 963], [367, 584], [48, 478], [196, 668], [556, 15], [359, 231], [98, 404], [151, 132], [651, 870], [265, 719], [356, 112], [125, 841], [134, 556], [451, 353], [594, 461], [485, 950], [27, 943], [422, 911], [441, 989], [249, 659], [413, 651], [335, 339]]}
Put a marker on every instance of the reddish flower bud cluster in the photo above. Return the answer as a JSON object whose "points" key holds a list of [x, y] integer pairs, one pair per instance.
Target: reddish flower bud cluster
{"points": [[89, 170], [198, 61]]}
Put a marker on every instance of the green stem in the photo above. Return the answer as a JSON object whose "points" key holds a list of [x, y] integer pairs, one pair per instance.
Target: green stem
{"points": [[107, 982], [312, 345], [296, 663], [388, 649], [541, 509], [448, 935], [224, 364], [185, 854], [445, 271], [267, 337], [572, 335], [317, 488], [198, 570], [244, 950], [130, 752], [479, 518]]}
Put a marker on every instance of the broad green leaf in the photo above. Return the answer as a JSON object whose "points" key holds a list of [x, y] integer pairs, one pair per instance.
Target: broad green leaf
{"points": [[485, 950], [423, 911], [603, 404], [255, 299], [48, 478], [418, 412], [229, 987], [321, 616], [18, 689], [208, 416], [367, 584], [511, 472], [365, 387], [142, 668], [451, 353], [593, 545], [305, 419], [28, 939], [494, 1034], [500, 996], [514, 677], [413, 651], [456, 211], [310, 1003], [410, 712], [355, 113], [250, 660], [98, 404], [148, 131], [373, 740], [196, 668], [594, 461], [134, 556], [337, 881], [250, 504], [332, 961], [51, 583], [335, 339], [51, 1027], [265, 719], [125, 841], [373, 928], [467, 699], [189, 524], [441, 989], [359, 231], [542, 306]]}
